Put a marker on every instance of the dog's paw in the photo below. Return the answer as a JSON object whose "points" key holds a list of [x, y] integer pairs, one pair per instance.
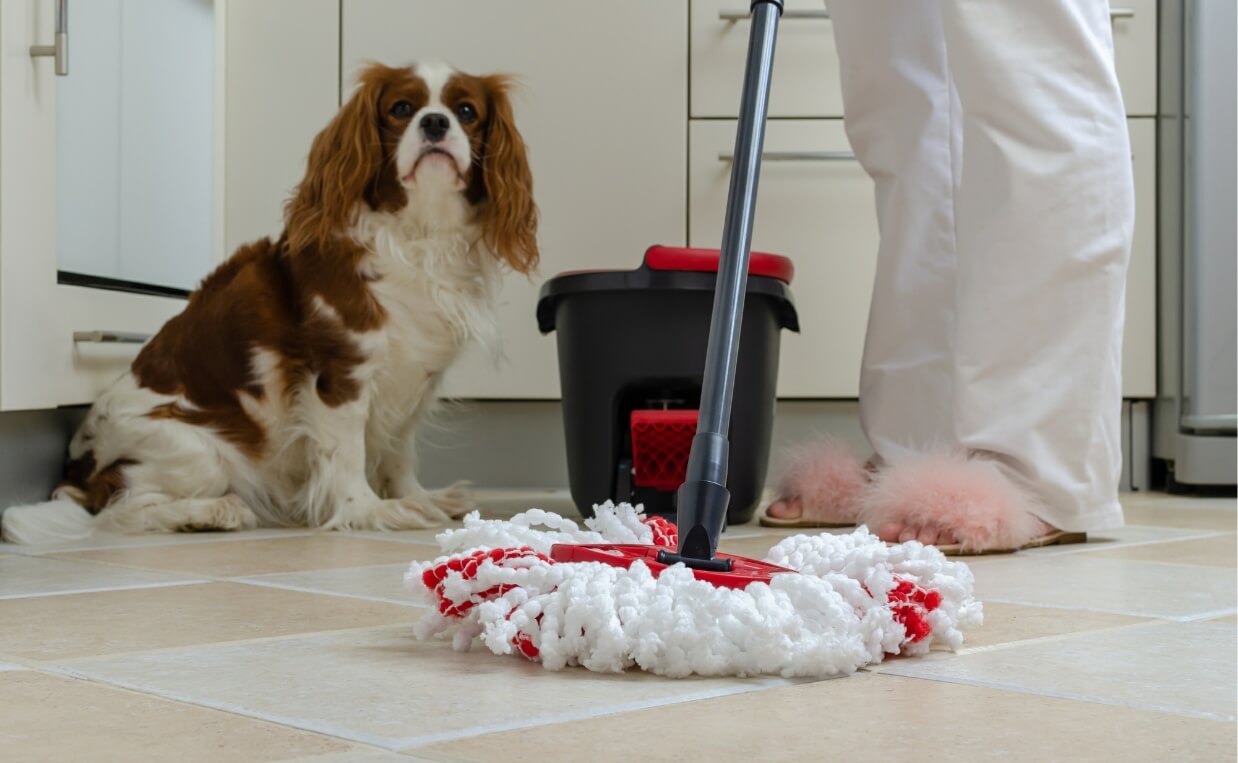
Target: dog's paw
{"points": [[221, 514], [455, 500]]}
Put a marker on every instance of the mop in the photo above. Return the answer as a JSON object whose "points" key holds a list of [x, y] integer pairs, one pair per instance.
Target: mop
{"points": [[630, 590], [844, 602]]}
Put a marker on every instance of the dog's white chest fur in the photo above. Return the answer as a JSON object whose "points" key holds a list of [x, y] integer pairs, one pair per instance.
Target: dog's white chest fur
{"points": [[436, 284]]}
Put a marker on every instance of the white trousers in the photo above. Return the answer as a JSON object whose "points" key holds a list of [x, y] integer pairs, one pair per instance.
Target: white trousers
{"points": [[996, 136]]}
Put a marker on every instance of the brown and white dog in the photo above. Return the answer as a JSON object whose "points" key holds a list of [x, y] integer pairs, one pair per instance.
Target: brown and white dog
{"points": [[288, 391]]}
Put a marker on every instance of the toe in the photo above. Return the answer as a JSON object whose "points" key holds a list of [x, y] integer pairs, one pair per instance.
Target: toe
{"points": [[787, 508], [909, 533], [890, 532]]}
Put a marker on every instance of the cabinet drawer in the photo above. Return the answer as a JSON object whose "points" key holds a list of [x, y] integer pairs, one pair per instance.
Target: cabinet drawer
{"points": [[821, 214], [805, 62], [817, 211], [1134, 49], [806, 79]]}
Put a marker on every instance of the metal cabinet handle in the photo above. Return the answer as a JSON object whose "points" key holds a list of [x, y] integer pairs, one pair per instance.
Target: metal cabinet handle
{"points": [[797, 156], [111, 337], [60, 50], [786, 15], [1117, 13]]}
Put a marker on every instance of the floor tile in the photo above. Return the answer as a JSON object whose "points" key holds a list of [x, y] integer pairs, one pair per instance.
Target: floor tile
{"points": [[138, 540], [1184, 668], [1083, 581], [30, 576], [1187, 515], [58, 719], [384, 688], [1123, 537], [865, 717], [258, 557], [1009, 623], [359, 755], [81, 625], [1216, 551], [384, 583]]}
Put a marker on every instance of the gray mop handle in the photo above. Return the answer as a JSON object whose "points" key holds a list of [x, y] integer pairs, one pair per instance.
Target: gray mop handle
{"points": [[709, 455]]}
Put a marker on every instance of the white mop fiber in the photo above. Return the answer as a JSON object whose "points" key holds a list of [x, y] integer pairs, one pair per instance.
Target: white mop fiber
{"points": [[856, 600]]}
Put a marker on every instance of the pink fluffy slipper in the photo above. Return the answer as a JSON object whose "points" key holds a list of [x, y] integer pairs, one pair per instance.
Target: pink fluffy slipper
{"points": [[827, 478], [986, 511]]}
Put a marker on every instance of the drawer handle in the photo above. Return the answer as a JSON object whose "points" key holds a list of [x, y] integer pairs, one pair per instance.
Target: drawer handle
{"points": [[1117, 13], [797, 156], [110, 337], [788, 15]]}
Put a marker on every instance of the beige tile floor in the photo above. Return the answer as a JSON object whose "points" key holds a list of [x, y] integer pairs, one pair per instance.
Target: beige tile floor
{"points": [[271, 645]]}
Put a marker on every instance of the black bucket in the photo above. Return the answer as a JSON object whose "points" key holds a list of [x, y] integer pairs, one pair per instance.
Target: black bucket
{"points": [[632, 345]]}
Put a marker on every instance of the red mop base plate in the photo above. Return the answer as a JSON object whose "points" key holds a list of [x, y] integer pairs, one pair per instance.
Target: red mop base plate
{"points": [[743, 570]]}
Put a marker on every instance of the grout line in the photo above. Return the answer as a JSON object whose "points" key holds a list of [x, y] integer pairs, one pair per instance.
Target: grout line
{"points": [[1016, 689], [339, 594], [1084, 548], [101, 589], [1055, 637], [1099, 610], [1204, 616], [66, 662]]}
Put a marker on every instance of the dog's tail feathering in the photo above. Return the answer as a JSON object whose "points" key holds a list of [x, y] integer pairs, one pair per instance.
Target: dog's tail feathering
{"points": [[47, 523]]}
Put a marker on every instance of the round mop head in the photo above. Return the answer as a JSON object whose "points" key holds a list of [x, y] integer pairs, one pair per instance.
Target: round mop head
{"points": [[855, 600]]}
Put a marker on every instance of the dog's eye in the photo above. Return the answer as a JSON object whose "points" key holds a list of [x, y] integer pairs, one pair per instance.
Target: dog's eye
{"points": [[402, 110], [466, 113]]}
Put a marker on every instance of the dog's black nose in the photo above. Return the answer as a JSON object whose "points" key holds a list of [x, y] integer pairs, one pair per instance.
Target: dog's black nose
{"points": [[434, 127]]}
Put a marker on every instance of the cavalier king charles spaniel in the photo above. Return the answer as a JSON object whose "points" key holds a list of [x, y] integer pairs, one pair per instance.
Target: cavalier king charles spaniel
{"points": [[289, 390]]}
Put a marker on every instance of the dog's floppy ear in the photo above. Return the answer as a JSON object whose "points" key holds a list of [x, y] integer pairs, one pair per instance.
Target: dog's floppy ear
{"points": [[344, 159], [511, 217]]}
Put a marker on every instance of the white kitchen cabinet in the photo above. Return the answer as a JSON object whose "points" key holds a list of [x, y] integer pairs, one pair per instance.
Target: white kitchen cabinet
{"points": [[46, 159], [602, 105], [806, 79], [820, 213], [268, 93]]}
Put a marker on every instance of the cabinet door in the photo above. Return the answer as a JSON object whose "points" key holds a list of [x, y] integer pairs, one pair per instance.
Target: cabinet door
{"points": [[268, 138], [87, 189], [820, 213], [602, 106]]}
